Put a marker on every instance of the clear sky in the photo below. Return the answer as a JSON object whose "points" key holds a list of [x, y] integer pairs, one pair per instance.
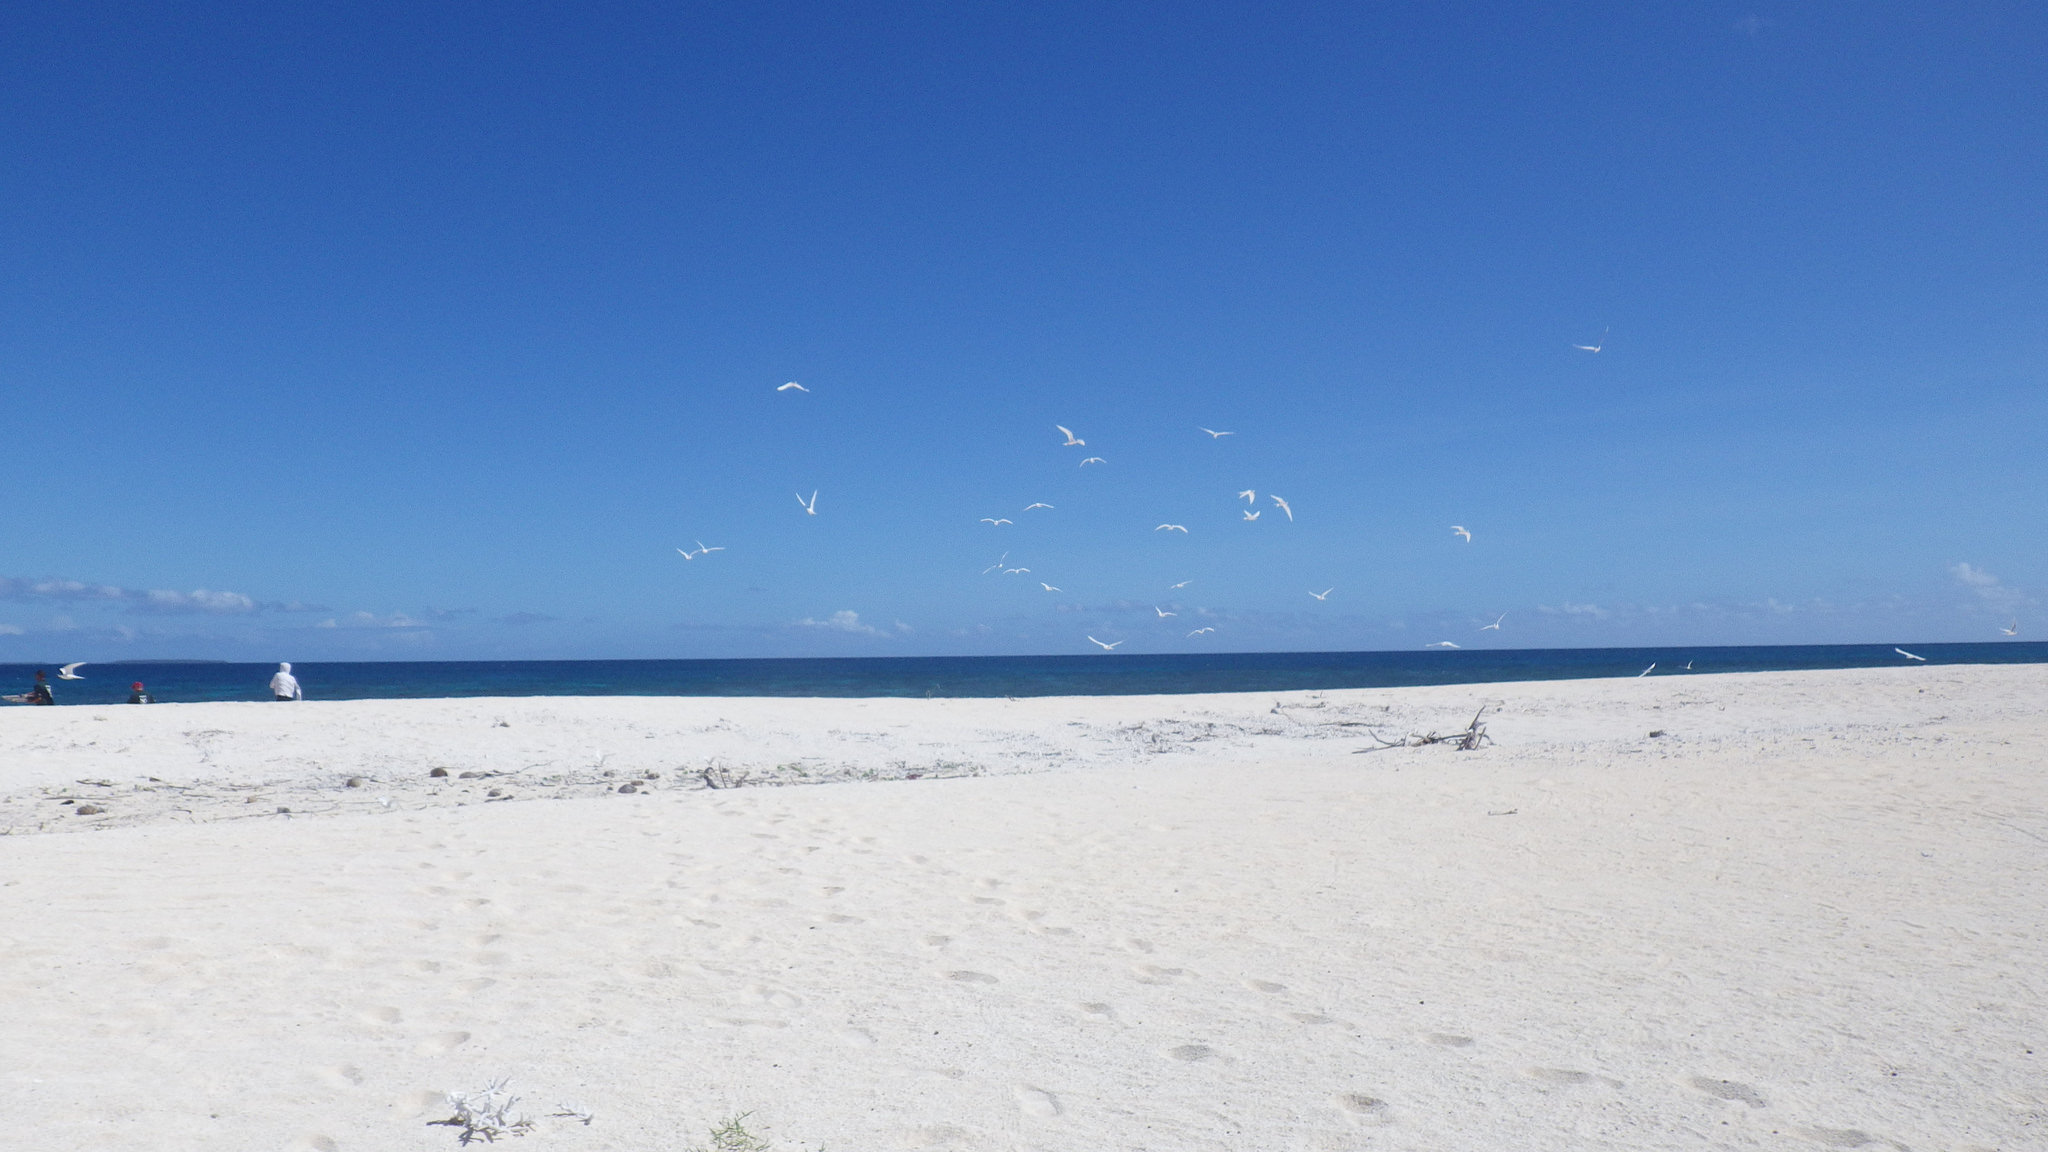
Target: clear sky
{"points": [[420, 331]]}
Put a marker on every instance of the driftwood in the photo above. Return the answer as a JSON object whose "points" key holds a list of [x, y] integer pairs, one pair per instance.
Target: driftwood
{"points": [[1465, 739]]}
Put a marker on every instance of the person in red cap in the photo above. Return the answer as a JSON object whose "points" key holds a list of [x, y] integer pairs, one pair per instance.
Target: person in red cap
{"points": [[136, 695]]}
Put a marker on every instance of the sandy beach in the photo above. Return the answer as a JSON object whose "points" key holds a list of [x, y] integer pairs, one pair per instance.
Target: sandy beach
{"points": [[1786, 910]]}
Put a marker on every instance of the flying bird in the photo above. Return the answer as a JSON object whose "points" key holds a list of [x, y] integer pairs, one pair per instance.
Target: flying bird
{"points": [[1248, 496], [1163, 613], [2012, 629], [1015, 571], [811, 505], [1073, 441], [701, 550], [1170, 528], [1495, 626], [1459, 530], [1441, 644], [1909, 655], [1048, 587], [994, 521], [1251, 515], [66, 673], [1095, 460], [792, 385], [1182, 584], [1101, 645], [1199, 631], [1215, 435], [1324, 594], [1029, 507], [996, 565], [1595, 347], [1647, 671]]}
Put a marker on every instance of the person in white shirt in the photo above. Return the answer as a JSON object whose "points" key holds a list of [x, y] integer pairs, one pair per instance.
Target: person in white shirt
{"points": [[284, 685]]}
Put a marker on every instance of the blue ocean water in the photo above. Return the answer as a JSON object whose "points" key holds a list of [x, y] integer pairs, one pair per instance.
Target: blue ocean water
{"points": [[972, 676]]}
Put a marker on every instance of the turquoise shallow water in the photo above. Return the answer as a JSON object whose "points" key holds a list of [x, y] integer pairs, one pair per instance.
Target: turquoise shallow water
{"points": [[984, 676]]}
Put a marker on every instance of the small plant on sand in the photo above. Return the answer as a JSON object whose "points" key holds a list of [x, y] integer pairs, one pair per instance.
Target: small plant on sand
{"points": [[485, 1114], [732, 1136]]}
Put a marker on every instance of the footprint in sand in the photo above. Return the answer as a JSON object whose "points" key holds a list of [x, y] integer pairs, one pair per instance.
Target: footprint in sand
{"points": [[1266, 986], [471, 987], [1841, 1137], [1037, 1102], [1449, 1040], [1193, 1053], [318, 1143], [420, 1103], [1153, 974], [1099, 1010], [937, 941], [1137, 945], [383, 1015], [1728, 1090], [1308, 1018], [1362, 1108], [838, 918], [857, 1037], [341, 1075], [966, 977], [762, 994], [1559, 1075], [442, 1043]]}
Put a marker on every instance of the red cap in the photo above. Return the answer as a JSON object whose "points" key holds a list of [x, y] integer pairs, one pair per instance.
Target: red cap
{"points": [[135, 687]]}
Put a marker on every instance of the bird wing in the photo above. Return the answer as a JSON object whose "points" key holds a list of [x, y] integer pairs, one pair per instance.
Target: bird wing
{"points": [[686, 555], [67, 669], [1283, 507]]}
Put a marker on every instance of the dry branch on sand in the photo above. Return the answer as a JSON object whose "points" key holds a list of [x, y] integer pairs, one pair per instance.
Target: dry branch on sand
{"points": [[1465, 739]]}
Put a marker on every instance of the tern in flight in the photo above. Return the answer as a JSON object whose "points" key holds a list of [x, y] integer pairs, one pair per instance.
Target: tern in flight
{"points": [[1441, 644], [1199, 631], [991, 520], [1283, 507], [1182, 584], [66, 673], [1095, 460], [1163, 613], [701, 550], [1495, 626], [1170, 528], [1647, 671], [996, 565], [1459, 530], [1101, 645], [1324, 594], [792, 385], [811, 505], [1909, 655], [1595, 347], [1248, 496], [1048, 587], [1215, 435], [1015, 571], [1073, 441], [1251, 515], [1041, 504], [2012, 629]]}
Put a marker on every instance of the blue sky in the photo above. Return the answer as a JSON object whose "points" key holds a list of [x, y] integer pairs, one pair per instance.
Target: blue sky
{"points": [[391, 331]]}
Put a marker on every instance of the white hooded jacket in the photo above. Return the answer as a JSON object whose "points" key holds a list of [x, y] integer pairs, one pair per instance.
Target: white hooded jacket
{"points": [[285, 684]]}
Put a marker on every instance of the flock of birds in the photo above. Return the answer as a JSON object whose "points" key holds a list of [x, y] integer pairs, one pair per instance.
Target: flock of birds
{"points": [[1251, 512]]}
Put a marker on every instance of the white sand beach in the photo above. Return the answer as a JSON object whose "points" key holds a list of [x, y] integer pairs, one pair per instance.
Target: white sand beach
{"points": [[1811, 913]]}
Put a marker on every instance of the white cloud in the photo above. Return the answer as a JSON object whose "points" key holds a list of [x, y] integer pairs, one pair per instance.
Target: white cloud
{"points": [[1973, 576], [1568, 609], [11, 630], [841, 621], [198, 600]]}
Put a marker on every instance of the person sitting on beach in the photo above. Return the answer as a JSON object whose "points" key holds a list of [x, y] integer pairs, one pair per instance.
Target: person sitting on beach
{"points": [[136, 695], [284, 685], [40, 694]]}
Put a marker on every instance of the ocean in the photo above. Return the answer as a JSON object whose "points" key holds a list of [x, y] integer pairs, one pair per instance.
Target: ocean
{"points": [[977, 676]]}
